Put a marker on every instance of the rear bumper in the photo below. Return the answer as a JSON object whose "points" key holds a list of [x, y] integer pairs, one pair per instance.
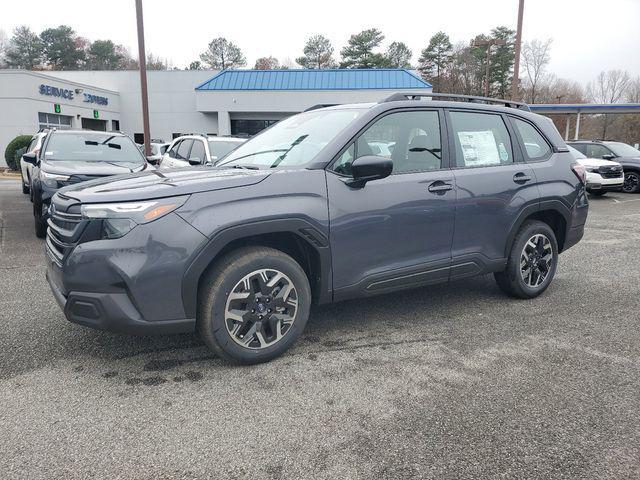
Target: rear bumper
{"points": [[111, 311]]}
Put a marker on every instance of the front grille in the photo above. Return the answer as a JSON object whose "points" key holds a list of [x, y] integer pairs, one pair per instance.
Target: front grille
{"points": [[63, 234], [611, 171]]}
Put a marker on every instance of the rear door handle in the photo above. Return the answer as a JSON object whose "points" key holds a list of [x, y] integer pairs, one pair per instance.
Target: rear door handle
{"points": [[521, 178], [439, 187]]}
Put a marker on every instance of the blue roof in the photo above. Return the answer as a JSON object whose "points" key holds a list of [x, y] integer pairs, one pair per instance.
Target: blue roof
{"points": [[304, 79]]}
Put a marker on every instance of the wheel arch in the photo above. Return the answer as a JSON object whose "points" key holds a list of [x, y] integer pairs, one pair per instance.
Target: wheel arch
{"points": [[553, 212], [296, 237]]}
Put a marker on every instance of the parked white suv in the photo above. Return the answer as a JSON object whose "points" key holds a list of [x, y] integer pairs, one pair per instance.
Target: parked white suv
{"points": [[198, 150], [602, 175], [26, 169]]}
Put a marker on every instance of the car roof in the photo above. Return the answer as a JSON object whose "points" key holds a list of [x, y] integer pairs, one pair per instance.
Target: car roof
{"points": [[96, 132]]}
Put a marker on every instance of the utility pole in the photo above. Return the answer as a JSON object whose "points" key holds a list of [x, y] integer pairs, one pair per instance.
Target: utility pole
{"points": [[142, 60], [488, 43], [516, 66]]}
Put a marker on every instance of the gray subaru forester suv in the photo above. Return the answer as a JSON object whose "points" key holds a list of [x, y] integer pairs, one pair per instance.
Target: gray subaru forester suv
{"points": [[305, 212]]}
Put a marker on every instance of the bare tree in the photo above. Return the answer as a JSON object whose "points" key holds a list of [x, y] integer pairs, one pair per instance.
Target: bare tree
{"points": [[267, 63], [608, 87], [4, 41], [633, 91], [536, 55]]}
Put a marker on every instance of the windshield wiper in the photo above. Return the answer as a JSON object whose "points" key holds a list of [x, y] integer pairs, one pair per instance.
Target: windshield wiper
{"points": [[245, 167], [251, 155], [295, 143]]}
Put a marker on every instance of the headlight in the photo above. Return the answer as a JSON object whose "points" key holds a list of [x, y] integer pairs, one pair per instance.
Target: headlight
{"points": [[591, 169], [118, 219], [52, 179]]}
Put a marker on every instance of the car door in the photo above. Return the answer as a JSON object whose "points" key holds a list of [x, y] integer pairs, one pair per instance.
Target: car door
{"points": [[493, 185], [395, 232], [170, 155]]}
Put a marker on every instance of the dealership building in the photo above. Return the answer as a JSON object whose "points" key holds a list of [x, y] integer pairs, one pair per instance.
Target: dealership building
{"points": [[229, 102]]}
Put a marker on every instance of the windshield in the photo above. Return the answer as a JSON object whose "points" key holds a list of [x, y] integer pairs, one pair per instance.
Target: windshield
{"points": [[92, 147], [219, 149], [623, 150], [575, 153], [294, 141]]}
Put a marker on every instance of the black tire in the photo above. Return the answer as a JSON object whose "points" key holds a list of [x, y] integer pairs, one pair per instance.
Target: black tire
{"points": [[631, 182], [597, 193], [40, 223], [25, 188], [223, 278], [511, 280]]}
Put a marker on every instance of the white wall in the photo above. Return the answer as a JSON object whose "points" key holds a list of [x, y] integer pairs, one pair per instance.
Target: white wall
{"points": [[172, 99], [20, 102]]}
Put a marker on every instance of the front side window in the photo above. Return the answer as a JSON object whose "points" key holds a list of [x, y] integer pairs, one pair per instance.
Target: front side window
{"points": [[481, 140], [536, 147], [596, 151], [410, 139], [174, 149], [183, 150], [91, 147], [197, 151], [294, 141]]}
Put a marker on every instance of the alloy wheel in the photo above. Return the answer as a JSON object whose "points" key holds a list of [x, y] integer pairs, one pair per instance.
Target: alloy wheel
{"points": [[631, 182], [536, 260], [261, 309]]}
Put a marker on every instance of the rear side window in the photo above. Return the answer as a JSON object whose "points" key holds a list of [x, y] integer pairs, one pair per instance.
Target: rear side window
{"points": [[481, 140], [535, 146]]}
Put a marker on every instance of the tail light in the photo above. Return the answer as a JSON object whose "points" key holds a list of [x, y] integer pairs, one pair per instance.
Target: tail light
{"points": [[580, 172]]}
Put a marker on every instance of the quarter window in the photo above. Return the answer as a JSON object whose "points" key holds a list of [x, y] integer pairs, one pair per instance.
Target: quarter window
{"points": [[481, 140], [535, 146]]}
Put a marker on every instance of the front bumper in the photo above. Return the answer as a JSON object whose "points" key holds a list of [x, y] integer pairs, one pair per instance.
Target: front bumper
{"points": [[596, 182], [132, 284]]}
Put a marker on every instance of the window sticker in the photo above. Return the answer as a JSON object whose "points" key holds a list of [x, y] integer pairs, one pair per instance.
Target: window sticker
{"points": [[48, 153], [479, 148]]}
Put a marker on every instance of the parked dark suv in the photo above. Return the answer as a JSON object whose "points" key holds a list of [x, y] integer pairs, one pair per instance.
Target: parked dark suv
{"points": [[624, 154], [71, 156], [303, 213]]}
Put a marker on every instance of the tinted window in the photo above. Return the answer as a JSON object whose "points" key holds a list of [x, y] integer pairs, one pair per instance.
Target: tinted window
{"points": [[595, 150], [577, 155], [173, 151], [92, 147], [410, 139], [581, 147], [536, 147], [197, 151], [481, 140], [183, 150]]}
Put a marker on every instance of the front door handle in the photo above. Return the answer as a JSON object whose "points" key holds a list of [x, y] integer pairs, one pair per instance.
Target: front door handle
{"points": [[439, 187], [521, 178]]}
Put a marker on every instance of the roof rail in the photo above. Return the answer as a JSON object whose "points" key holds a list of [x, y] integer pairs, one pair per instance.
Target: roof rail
{"points": [[396, 97], [321, 105]]}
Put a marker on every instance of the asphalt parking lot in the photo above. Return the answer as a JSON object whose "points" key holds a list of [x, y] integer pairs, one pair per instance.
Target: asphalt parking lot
{"points": [[453, 381]]}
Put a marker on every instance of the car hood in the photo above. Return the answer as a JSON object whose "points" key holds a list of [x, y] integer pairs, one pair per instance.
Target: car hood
{"points": [[629, 159], [596, 162], [168, 183], [64, 167]]}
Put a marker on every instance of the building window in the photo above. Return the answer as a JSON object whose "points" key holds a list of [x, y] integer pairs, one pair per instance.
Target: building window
{"points": [[175, 135], [53, 120], [249, 127], [115, 125], [138, 138]]}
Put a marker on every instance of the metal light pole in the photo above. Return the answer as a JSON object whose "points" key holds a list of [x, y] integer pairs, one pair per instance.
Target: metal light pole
{"points": [[142, 60], [516, 66]]}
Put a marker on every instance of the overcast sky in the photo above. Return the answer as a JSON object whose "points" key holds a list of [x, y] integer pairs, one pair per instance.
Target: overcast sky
{"points": [[588, 35]]}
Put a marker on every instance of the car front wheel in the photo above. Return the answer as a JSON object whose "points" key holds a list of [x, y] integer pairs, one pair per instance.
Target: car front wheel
{"points": [[631, 182], [25, 186], [253, 305], [532, 261]]}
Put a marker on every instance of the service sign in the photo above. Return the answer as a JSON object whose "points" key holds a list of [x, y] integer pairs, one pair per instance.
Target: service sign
{"points": [[70, 95]]}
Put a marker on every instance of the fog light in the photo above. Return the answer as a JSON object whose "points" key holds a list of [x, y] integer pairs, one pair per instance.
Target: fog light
{"points": [[116, 227]]}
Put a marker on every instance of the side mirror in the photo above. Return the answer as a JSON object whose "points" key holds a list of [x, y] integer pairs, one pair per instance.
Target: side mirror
{"points": [[608, 156], [368, 168], [195, 161], [31, 158]]}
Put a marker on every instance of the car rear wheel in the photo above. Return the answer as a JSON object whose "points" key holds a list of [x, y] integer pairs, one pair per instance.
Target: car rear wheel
{"points": [[253, 305], [631, 182], [532, 261]]}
